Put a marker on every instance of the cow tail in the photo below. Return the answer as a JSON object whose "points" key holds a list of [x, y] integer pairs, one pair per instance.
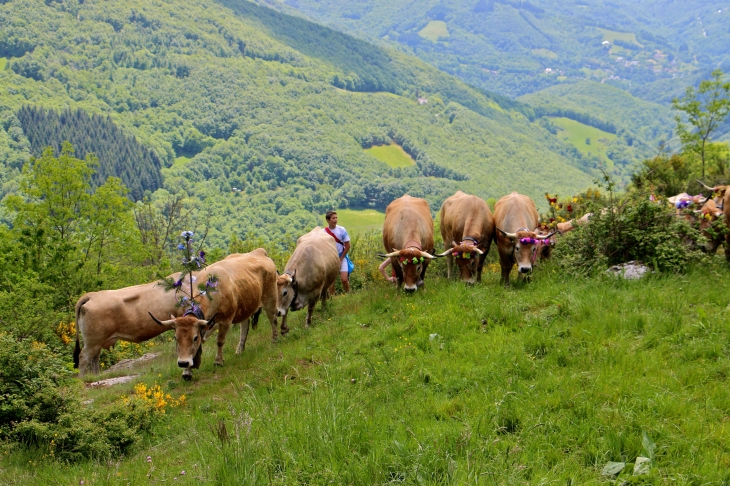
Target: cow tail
{"points": [[77, 349]]}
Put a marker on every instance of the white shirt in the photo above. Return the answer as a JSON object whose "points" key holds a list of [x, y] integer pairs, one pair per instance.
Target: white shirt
{"points": [[341, 233]]}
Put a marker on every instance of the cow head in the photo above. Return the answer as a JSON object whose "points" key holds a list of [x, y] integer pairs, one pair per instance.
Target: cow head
{"points": [[545, 249], [718, 193], [467, 256], [525, 247], [410, 264], [286, 287], [189, 333], [707, 217]]}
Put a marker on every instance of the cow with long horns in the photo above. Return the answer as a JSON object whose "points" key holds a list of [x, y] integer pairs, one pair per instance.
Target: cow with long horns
{"points": [[468, 220], [246, 284], [408, 236], [515, 217]]}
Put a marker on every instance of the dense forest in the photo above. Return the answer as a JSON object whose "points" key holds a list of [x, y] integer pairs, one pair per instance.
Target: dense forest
{"points": [[118, 154], [247, 111]]}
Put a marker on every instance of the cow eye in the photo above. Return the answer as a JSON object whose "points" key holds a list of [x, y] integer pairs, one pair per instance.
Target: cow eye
{"points": [[195, 339], [284, 292]]}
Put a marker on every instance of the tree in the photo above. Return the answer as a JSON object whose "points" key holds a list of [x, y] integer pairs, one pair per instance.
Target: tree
{"points": [[705, 108]]}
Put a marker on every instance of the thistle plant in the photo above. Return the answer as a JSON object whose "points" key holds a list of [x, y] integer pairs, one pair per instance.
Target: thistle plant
{"points": [[192, 261]]}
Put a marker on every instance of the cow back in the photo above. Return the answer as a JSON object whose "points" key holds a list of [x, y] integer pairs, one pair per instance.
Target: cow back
{"points": [[515, 211], [316, 261], [246, 281], [408, 219], [466, 215]]}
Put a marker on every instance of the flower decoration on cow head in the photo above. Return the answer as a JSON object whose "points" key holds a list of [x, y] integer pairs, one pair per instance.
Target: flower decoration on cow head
{"points": [[414, 260], [192, 260]]}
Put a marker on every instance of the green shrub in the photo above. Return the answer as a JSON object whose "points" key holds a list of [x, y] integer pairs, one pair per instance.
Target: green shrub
{"points": [[38, 409], [635, 228]]}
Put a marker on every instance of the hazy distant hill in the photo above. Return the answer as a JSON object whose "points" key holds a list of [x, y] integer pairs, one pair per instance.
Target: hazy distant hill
{"points": [[264, 117], [651, 48]]}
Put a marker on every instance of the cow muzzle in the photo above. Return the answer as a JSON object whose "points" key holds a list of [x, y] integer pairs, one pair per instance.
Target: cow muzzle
{"points": [[525, 269], [410, 288], [185, 363]]}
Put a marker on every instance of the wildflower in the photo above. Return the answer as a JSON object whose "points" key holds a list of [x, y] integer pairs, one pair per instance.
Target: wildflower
{"points": [[201, 254], [182, 473], [177, 284], [149, 459], [187, 234], [180, 246]]}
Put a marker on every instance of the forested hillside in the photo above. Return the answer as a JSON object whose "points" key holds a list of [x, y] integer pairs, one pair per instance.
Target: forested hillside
{"points": [[517, 47], [118, 154], [261, 117]]}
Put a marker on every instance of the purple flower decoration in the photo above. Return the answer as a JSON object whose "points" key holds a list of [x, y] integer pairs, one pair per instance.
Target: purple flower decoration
{"points": [[187, 234], [177, 284], [211, 284], [528, 241], [201, 254]]}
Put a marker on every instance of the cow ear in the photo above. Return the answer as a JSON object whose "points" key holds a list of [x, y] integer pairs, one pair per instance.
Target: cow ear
{"points": [[294, 276], [211, 322]]}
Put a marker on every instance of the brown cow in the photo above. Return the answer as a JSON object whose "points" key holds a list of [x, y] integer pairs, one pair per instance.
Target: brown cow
{"points": [[408, 236], [107, 316], [310, 272], [246, 283], [468, 220], [516, 217]]}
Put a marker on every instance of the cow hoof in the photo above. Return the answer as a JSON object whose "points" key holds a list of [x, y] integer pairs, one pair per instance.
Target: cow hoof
{"points": [[187, 377], [239, 350]]}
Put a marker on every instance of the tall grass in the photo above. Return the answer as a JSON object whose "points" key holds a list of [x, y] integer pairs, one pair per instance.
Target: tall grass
{"points": [[540, 383]]}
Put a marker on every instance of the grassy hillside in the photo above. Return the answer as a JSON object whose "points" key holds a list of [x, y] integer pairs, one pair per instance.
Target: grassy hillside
{"points": [[270, 104], [392, 154], [587, 139], [359, 221], [538, 383]]}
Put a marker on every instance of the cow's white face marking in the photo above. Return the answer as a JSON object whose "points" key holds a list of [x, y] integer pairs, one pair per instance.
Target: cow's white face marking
{"points": [[285, 293]]}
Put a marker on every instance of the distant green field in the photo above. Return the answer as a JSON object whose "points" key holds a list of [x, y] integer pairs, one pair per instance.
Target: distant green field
{"points": [[3, 62], [612, 35], [392, 154], [577, 133], [358, 222], [180, 161], [545, 53], [434, 30]]}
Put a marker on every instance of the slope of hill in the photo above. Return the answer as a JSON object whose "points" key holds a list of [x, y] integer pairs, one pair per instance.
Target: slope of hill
{"points": [[641, 126], [508, 46], [244, 98]]}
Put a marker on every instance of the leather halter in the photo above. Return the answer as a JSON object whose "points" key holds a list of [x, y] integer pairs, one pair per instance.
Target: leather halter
{"points": [[414, 244], [469, 238], [195, 311]]}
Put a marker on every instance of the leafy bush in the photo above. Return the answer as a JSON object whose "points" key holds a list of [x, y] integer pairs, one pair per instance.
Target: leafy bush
{"points": [[635, 228], [37, 409]]}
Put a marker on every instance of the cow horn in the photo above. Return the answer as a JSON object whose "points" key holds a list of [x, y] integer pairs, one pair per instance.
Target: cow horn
{"points": [[171, 322], [446, 253], [546, 236], [478, 251], [293, 275], [390, 255], [512, 236], [209, 323], [428, 255], [705, 185]]}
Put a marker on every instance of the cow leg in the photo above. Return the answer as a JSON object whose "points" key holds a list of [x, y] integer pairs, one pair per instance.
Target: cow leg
{"points": [[310, 310], [423, 273], [480, 266], [449, 263], [222, 331], [244, 336], [284, 327], [271, 314], [255, 321], [89, 360], [506, 270]]}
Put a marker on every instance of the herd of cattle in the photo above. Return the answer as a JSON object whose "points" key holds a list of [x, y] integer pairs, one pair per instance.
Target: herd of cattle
{"points": [[249, 283]]}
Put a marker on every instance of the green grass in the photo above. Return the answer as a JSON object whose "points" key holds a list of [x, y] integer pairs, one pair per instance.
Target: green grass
{"points": [[545, 53], [612, 35], [434, 30], [392, 154], [3, 62], [576, 133], [359, 222], [535, 384]]}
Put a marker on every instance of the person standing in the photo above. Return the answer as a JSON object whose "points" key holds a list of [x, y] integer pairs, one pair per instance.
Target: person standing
{"points": [[343, 247]]}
